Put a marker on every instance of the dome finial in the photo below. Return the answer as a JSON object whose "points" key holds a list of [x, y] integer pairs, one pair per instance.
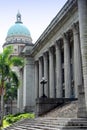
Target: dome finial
{"points": [[18, 17]]}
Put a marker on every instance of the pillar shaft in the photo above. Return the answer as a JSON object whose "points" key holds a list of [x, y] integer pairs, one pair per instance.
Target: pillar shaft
{"points": [[67, 74], [45, 57], [20, 93], [77, 59], [37, 79], [40, 77], [51, 73], [58, 71], [82, 8]]}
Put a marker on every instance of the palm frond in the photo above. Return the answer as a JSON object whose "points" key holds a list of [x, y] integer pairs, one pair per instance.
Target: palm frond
{"points": [[17, 61], [14, 78]]}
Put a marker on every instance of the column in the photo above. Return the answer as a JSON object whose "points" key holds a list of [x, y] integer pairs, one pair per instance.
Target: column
{"points": [[45, 57], [51, 73], [67, 73], [82, 8], [58, 70], [20, 93], [36, 79], [77, 59], [40, 76], [28, 85]]}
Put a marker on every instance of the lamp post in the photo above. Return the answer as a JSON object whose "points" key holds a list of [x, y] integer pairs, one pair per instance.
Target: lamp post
{"points": [[43, 82]]}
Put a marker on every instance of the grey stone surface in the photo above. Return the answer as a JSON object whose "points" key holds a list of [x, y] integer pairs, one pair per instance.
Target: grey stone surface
{"points": [[36, 79], [68, 110], [40, 76], [46, 71], [43, 105], [82, 8], [77, 59], [51, 73], [28, 86], [50, 124], [58, 70], [67, 70]]}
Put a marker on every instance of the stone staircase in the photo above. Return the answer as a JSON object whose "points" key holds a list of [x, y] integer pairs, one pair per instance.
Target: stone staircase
{"points": [[61, 118], [49, 123], [68, 110]]}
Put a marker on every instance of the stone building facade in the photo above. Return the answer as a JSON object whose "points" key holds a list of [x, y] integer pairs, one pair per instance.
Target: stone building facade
{"points": [[60, 56]]}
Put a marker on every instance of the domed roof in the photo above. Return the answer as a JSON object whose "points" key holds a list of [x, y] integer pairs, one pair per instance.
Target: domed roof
{"points": [[18, 33], [18, 28]]}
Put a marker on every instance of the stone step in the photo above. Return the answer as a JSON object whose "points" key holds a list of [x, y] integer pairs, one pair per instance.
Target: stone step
{"points": [[55, 118], [75, 122], [23, 128], [50, 124], [34, 127]]}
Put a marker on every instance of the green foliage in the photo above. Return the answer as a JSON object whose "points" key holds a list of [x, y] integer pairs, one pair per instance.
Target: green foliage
{"points": [[10, 119], [9, 77], [17, 61], [9, 80]]}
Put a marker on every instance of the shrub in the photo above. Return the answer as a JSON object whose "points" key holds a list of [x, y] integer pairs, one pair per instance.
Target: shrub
{"points": [[10, 119]]}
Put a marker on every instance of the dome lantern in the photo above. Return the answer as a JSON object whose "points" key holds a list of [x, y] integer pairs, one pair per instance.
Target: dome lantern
{"points": [[18, 17]]}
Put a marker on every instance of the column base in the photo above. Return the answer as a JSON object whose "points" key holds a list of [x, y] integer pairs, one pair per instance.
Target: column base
{"points": [[29, 108], [82, 112]]}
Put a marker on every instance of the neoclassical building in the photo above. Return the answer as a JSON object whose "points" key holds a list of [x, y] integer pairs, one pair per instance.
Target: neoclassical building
{"points": [[59, 55]]}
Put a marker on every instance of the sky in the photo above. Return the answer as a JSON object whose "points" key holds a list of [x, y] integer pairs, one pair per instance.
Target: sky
{"points": [[36, 15]]}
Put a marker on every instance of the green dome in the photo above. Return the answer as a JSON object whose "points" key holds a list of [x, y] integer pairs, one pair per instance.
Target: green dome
{"points": [[18, 32], [18, 29]]}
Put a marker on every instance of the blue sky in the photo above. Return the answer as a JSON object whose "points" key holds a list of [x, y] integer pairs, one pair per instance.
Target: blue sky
{"points": [[36, 15]]}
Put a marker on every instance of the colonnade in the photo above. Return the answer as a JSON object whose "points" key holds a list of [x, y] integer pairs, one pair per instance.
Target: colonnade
{"points": [[61, 66]]}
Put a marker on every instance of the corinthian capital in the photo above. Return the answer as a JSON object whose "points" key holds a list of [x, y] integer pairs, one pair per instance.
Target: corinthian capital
{"points": [[66, 35], [75, 27]]}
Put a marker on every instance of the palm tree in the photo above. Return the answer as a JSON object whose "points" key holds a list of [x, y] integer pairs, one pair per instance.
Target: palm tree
{"points": [[7, 61], [11, 87]]}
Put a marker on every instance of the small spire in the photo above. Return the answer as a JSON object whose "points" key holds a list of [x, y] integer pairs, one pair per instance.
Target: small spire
{"points": [[18, 17]]}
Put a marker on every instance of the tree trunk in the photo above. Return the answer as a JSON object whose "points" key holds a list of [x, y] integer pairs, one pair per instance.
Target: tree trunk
{"points": [[11, 106], [2, 108]]}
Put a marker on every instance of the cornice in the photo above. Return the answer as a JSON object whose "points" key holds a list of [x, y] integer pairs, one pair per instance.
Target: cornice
{"points": [[66, 8]]}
